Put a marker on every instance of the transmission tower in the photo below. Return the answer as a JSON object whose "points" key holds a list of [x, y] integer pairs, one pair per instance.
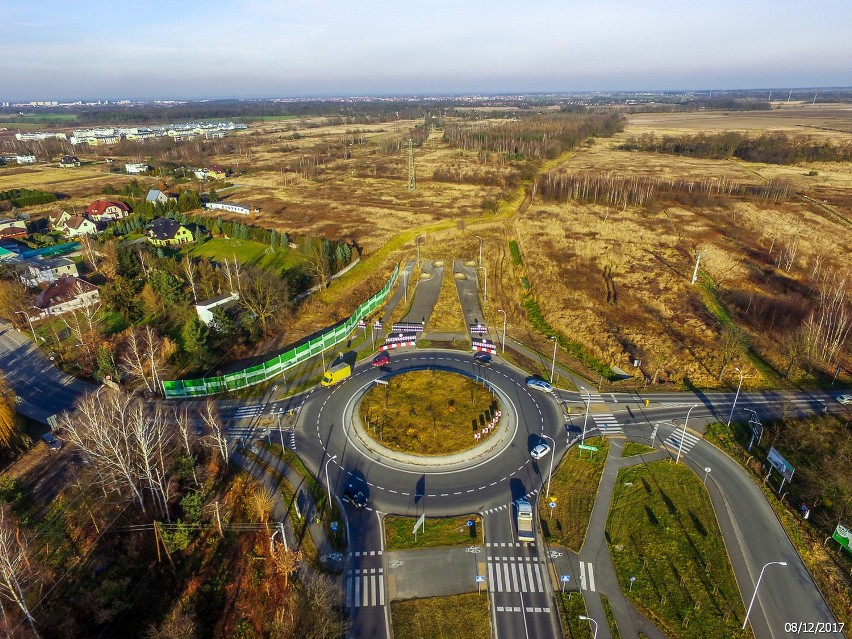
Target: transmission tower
{"points": [[411, 184]]}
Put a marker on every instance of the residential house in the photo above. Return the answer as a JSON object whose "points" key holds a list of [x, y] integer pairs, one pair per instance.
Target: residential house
{"points": [[137, 168], [25, 159], [155, 196], [79, 225], [9, 223], [107, 210], [205, 308], [228, 206], [12, 232], [46, 270], [216, 172], [200, 174], [165, 231], [68, 161], [57, 219], [66, 294]]}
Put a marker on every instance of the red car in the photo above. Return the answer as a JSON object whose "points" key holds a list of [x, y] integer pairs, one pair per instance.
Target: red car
{"points": [[382, 359]]}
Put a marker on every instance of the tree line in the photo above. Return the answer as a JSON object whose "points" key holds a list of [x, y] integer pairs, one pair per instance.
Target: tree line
{"points": [[771, 148]]}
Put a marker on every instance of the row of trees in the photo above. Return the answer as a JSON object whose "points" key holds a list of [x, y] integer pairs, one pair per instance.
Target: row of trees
{"points": [[614, 189], [772, 148]]}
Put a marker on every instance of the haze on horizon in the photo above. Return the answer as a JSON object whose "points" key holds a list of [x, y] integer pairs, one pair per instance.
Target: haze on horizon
{"points": [[94, 49]]}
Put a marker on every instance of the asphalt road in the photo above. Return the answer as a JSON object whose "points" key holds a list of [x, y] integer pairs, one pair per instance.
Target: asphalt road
{"points": [[426, 293], [468, 291]]}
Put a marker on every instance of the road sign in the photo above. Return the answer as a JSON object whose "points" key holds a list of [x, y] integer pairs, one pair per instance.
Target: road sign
{"points": [[480, 579], [470, 523], [843, 536], [585, 447], [780, 464], [334, 525], [552, 504], [553, 498], [566, 578], [51, 421], [420, 523]]}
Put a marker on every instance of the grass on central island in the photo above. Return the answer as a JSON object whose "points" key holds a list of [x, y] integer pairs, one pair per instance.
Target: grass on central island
{"points": [[575, 486], [428, 412], [442, 617], [663, 531], [440, 531]]}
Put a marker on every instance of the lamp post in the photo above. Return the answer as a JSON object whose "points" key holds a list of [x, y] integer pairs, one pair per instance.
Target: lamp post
{"points": [[480, 251], [682, 437], [503, 343], [590, 620], [553, 363], [30, 322], [328, 485], [586, 418], [405, 283], [417, 242], [485, 294], [736, 397], [756, 586], [552, 455]]}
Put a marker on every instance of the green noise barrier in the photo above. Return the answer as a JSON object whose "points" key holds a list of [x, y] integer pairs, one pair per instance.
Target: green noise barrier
{"points": [[179, 388]]}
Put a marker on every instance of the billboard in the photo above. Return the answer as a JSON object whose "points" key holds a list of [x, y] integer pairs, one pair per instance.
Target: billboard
{"points": [[843, 536], [780, 464]]}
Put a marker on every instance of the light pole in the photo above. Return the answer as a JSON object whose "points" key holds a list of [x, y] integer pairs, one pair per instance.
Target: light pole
{"points": [[706, 473], [30, 322], [756, 586], [480, 251], [682, 437], [586, 418], [553, 363], [736, 397], [503, 344], [590, 620], [405, 283], [552, 455], [485, 294], [328, 485], [417, 242]]}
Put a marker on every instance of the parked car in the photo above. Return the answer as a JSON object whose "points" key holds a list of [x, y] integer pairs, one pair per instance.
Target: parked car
{"points": [[382, 359], [354, 495], [482, 358], [539, 384], [53, 443], [846, 400], [541, 450]]}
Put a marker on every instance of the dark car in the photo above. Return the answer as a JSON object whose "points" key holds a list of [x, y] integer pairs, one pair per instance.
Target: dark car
{"points": [[482, 358], [52, 442], [354, 495], [382, 359]]}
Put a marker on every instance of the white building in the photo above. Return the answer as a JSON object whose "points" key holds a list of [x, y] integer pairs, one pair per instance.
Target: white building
{"points": [[228, 206], [136, 168], [25, 159], [205, 309]]}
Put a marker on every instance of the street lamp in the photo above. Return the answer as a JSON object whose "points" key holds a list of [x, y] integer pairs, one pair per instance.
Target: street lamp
{"points": [[757, 585], [503, 345], [405, 283], [480, 250], [485, 294], [682, 437], [327, 484], [30, 322], [553, 364], [590, 620], [552, 455], [586, 418], [731, 416], [417, 242]]}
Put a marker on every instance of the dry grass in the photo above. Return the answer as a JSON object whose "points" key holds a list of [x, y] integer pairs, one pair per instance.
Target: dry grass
{"points": [[447, 316]]}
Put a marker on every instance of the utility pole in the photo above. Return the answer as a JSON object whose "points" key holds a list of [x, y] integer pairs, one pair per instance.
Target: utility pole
{"points": [[411, 183]]}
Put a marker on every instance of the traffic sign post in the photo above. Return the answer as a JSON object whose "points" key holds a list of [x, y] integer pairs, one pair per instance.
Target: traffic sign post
{"points": [[630, 589], [552, 508], [565, 579], [480, 579], [334, 526]]}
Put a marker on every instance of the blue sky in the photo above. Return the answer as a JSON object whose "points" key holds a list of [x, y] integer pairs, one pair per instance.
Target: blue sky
{"points": [[89, 49]]}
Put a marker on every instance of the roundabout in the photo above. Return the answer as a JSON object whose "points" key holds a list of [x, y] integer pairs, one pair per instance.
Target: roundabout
{"points": [[495, 472]]}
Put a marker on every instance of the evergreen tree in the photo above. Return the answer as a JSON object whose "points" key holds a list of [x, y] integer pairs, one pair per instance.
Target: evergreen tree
{"points": [[194, 336]]}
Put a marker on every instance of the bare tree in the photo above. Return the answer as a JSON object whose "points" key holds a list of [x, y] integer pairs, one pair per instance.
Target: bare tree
{"points": [[317, 260], [181, 418], [731, 342], [16, 572], [144, 357], [264, 294], [827, 328], [217, 431], [90, 252], [190, 272], [14, 298]]}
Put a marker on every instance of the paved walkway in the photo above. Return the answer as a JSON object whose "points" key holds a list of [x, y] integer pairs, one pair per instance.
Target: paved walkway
{"points": [[433, 572]]}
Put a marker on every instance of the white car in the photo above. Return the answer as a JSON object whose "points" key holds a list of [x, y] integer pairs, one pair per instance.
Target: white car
{"points": [[539, 384], [846, 400], [540, 451]]}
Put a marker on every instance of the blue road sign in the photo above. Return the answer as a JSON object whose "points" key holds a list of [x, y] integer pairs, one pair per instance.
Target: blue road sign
{"points": [[566, 577], [480, 579], [552, 504], [334, 526], [470, 523]]}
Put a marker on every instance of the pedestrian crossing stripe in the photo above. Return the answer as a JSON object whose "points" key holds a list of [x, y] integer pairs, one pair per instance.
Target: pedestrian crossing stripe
{"points": [[365, 588], [607, 424], [507, 544], [367, 553], [517, 576], [688, 441], [587, 576], [518, 609], [592, 398]]}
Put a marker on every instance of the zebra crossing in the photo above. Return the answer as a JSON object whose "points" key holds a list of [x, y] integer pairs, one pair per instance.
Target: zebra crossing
{"points": [[592, 397], [587, 576], [246, 412], [607, 424], [681, 440], [365, 587], [515, 574]]}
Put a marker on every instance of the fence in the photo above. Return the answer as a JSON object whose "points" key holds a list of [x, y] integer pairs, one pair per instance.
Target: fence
{"points": [[285, 361]]}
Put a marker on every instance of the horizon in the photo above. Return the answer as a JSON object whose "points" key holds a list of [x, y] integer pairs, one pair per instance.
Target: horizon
{"points": [[201, 51]]}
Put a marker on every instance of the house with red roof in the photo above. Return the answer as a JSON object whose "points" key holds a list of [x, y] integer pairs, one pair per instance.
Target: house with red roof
{"points": [[66, 294], [78, 225], [107, 210]]}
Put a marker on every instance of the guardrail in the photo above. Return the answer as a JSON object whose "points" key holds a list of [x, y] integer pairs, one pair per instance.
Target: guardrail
{"points": [[176, 389]]}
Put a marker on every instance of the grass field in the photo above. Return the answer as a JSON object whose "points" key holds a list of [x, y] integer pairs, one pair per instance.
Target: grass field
{"points": [[632, 449], [442, 618], [428, 412], [439, 531], [447, 316], [575, 485], [247, 253], [571, 606], [663, 531]]}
